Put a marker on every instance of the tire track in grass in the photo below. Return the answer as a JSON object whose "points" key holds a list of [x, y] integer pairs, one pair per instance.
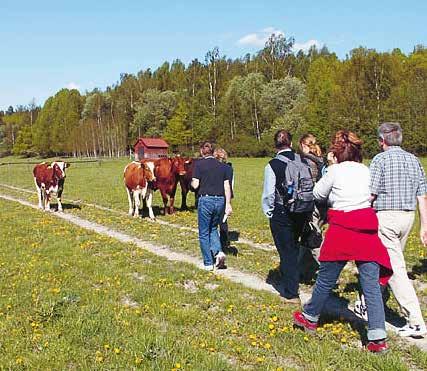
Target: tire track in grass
{"points": [[245, 279], [260, 246]]}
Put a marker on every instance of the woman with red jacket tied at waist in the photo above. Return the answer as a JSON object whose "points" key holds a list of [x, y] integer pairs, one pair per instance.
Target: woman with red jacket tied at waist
{"points": [[352, 235]]}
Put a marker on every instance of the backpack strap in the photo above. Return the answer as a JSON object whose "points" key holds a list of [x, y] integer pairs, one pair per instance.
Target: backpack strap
{"points": [[279, 165]]}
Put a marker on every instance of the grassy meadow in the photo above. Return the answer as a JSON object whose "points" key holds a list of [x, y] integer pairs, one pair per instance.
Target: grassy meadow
{"points": [[73, 299]]}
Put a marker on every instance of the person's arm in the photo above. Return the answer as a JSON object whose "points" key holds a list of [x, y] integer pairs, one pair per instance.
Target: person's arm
{"points": [[324, 186], [268, 194], [422, 205], [195, 180], [376, 171], [227, 191]]}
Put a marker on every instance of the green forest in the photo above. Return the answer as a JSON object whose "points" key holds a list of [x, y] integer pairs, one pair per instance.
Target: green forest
{"points": [[237, 103]]}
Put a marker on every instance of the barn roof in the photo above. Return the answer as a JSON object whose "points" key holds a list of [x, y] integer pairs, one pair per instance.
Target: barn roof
{"points": [[153, 142]]}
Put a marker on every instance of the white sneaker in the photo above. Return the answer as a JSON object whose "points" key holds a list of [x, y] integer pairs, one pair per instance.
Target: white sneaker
{"points": [[220, 260], [416, 331], [360, 310], [208, 267]]}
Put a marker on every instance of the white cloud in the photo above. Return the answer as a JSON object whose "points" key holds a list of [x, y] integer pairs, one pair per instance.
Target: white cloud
{"points": [[307, 45], [73, 85], [259, 38]]}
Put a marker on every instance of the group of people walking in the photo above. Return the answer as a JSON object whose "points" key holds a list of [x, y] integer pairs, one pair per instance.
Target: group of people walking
{"points": [[369, 212]]}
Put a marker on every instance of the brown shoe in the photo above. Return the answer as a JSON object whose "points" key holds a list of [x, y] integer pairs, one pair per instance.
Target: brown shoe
{"points": [[294, 301]]}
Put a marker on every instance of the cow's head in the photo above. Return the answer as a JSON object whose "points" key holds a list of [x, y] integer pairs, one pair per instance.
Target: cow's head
{"points": [[150, 165], [148, 169], [58, 173], [178, 165], [62, 165]]}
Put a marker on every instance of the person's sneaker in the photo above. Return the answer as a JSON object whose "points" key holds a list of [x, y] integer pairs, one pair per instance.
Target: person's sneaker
{"points": [[415, 331], [377, 346], [303, 323], [360, 310], [208, 267], [220, 260]]}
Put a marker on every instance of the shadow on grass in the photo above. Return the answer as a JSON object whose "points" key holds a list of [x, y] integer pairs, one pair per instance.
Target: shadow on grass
{"points": [[156, 210], [66, 206], [418, 270], [230, 250]]}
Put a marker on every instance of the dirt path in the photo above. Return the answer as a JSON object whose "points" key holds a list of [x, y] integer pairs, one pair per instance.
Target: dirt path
{"points": [[260, 246], [248, 280]]}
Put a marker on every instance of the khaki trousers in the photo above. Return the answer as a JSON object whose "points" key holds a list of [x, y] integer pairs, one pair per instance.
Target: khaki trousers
{"points": [[394, 229]]}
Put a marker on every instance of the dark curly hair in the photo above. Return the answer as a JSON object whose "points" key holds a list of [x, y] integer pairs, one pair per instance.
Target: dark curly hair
{"points": [[206, 148], [346, 146], [282, 139]]}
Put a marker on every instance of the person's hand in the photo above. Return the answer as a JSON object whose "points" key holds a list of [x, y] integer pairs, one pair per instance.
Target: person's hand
{"points": [[331, 158], [228, 209], [372, 198], [423, 235]]}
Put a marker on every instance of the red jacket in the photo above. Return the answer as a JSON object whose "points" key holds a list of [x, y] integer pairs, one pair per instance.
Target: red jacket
{"points": [[353, 235]]}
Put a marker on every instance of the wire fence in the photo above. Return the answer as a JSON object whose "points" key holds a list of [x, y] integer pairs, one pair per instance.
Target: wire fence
{"points": [[99, 161]]}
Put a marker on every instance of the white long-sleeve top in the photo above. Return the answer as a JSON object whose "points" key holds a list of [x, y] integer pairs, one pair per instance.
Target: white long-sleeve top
{"points": [[345, 186]]}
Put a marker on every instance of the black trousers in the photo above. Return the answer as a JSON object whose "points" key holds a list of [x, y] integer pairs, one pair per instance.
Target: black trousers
{"points": [[286, 229], [223, 232]]}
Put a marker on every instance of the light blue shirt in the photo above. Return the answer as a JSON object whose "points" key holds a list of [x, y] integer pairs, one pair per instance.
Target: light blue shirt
{"points": [[269, 191]]}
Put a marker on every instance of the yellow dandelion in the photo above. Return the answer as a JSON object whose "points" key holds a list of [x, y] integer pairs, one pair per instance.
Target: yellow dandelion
{"points": [[19, 361], [274, 319], [117, 350], [305, 338], [267, 346], [271, 326], [178, 365], [106, 346]]}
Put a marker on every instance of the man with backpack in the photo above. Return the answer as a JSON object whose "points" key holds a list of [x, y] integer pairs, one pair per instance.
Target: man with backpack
{"points": [[288, 202]]}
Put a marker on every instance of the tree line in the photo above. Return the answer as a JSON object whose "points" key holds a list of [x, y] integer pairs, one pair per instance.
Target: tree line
{"points": [[237, 103]]}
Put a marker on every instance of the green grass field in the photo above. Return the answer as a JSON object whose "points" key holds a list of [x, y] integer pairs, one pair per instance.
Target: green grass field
{"points": [[76, 301]]}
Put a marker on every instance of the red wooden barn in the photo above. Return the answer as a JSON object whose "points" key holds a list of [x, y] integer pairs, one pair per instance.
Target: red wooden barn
{"points": [[150, 148]]}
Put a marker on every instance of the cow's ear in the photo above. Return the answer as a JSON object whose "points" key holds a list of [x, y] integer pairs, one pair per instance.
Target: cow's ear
{"points": [[67, 164]]}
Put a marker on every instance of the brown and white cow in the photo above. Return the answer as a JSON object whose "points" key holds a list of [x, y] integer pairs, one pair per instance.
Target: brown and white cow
{"points": [[137, 176], [49, 179], [167, 172]]}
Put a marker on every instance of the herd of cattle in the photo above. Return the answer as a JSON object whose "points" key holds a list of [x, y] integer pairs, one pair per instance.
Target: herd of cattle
{"points": [[141, 179]]}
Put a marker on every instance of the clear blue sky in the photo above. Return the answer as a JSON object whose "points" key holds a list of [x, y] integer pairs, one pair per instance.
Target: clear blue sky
{"points": [[47, 45]]}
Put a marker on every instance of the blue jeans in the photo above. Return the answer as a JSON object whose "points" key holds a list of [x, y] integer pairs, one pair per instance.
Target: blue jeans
{"points": [[209, 213], [368, 276]]}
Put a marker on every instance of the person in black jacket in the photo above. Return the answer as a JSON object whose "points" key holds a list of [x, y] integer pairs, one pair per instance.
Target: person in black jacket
{"points": [[221, 155], [312, 233], [286, 226]]}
